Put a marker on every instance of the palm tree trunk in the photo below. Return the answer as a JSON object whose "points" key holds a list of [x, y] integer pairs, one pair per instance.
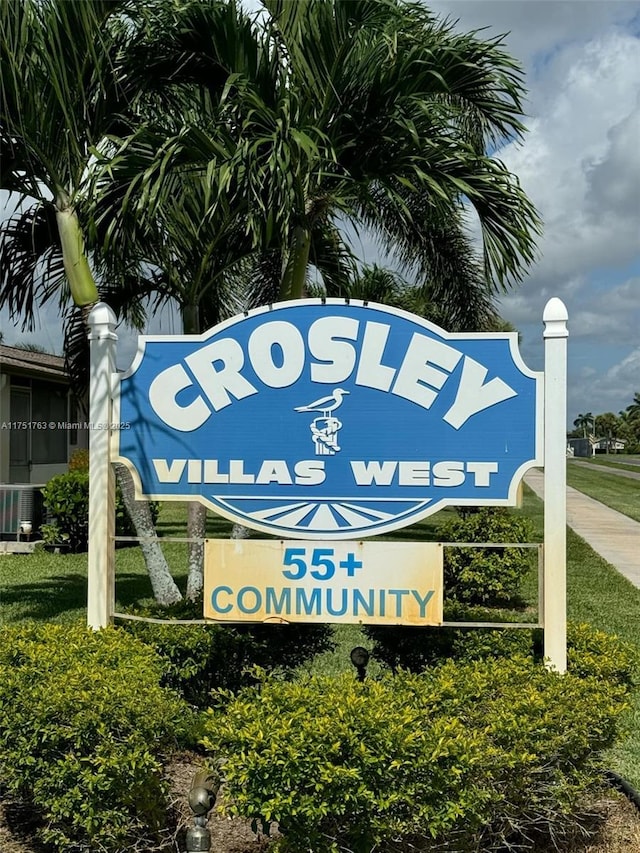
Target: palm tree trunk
{"points": [[292, 286], [196, 529], [164, 588], [196, 512], [81, 281]]}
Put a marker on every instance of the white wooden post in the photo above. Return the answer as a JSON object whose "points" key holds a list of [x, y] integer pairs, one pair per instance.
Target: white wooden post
{"points": [[101, 575], [555, 484]]}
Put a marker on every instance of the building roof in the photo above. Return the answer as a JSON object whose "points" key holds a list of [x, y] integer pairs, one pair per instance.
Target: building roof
{"points": [[28, 363]]}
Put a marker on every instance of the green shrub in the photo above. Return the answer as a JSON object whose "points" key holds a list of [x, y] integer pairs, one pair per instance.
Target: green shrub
{"points": [[476, 580], [79, 461], [461, 756], [593, 652], [199, 658], [416, 649], [83, 726], [485, 575], [66, 497]]}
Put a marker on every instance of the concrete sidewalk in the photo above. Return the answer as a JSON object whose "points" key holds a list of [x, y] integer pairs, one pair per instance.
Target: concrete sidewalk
{"points": [[614, 536]]}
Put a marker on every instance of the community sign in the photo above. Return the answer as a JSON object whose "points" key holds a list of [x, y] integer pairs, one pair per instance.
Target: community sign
{"points": [[271, 580], [329, 419]]}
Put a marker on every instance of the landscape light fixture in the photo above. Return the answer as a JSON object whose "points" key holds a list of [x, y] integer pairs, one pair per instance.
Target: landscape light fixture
{"points": [[202, 798], [360, 659]]}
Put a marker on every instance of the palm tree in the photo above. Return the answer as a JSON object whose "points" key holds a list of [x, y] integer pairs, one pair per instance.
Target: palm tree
{"points": [[199, 263], [40, 160], [373, 283], [405, 127], [633, 409], [584, 422], [207, 266], [629, 426], [608, 425], [373, 112], [63, 90], [291, 130]]}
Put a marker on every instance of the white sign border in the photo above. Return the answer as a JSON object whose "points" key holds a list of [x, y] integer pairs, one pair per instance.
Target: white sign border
{"points": [[395, 524]]}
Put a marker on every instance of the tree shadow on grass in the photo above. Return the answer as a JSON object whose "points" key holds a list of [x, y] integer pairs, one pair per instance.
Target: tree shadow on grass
{"points": [[172, 521], [64, 597]]}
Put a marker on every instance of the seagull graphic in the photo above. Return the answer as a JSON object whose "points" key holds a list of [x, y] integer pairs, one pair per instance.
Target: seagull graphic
{"points": [[326, 405]]}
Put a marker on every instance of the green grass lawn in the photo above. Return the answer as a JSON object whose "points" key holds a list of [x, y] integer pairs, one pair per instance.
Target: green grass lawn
{"points": [[619, 493], [45, 586], [613, 461], [601, 596]]}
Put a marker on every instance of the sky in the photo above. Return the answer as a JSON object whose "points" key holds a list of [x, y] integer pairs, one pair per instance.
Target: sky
{"points": [[580, 165]]}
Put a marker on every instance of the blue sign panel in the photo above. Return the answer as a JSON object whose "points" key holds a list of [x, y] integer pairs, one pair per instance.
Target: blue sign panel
{"points": [[330, 420]]}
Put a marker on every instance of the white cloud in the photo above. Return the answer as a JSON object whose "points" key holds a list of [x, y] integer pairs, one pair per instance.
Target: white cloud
{"points": [[613, 180], [580, 161], [607, 391], [611, 315], [538, 29], [579, 164]]}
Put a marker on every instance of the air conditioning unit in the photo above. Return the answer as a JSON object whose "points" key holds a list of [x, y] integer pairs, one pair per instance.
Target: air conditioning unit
{"points": [[20, 505]]}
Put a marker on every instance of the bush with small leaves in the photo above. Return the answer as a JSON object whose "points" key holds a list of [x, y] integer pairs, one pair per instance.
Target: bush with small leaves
{"points": [[466, 756], [66, 498], [198, 658], [84, 725], [485, 576], [416, 649], [595, 653], [79, 461], [476, 581]]}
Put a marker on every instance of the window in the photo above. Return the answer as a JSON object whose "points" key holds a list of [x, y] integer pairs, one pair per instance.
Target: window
{"points": [[49, 405]]}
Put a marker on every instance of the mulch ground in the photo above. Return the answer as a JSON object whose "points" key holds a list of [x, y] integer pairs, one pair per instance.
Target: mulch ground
{"points": [[614, 826]]}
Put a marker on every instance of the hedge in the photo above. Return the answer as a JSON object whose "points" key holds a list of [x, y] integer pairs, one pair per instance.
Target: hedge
{"points": [[84, 729], [199, 658], [465, 756]]}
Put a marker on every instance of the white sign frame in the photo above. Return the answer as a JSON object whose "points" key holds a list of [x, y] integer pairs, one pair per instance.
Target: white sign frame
{"points": [[102, 443]]}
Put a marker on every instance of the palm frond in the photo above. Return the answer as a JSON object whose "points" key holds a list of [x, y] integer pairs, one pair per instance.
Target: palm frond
{"points": [[31, 268], [76, 350], [432, 246], [378, 284], [263, 283], [332, 257]]}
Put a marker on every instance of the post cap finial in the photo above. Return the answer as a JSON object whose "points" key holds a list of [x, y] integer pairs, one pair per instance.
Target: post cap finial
{"points": [[101, 315], [101, 323], [555, 318]]}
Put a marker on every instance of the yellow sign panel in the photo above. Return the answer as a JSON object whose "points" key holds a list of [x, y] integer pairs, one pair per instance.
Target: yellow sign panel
{"points": [[377, 583]]}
